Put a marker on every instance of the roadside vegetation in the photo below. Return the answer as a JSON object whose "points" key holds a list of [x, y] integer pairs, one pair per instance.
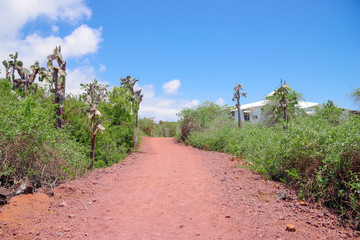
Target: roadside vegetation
{"points": [[49, 137], [318, 155]]}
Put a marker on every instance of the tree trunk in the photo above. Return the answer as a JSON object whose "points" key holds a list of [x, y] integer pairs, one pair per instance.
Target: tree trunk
{"points": [[239, 112], [286, 118], [58, 108], [136, 133], [92, 153]]}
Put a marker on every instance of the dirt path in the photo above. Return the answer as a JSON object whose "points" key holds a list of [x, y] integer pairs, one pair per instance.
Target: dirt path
{"points": [[168, 191]]}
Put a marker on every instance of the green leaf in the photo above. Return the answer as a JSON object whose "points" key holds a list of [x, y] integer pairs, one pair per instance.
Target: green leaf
{"points": [[16, 54], [62, 72], [60, 56], [62, 102], [98, 113], [101, 127], [5, 64], [61, 80], [51, 57], [11, 56], [11, 62], [19, 63], [26, 71], [90, 114], [42, 69], [49, 64], [37, 64]]}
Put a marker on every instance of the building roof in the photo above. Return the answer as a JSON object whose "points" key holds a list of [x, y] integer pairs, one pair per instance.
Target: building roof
{"points": [[302, 105]]}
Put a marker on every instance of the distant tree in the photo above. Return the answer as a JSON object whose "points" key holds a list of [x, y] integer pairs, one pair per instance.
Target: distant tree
{"points": [[237, 94], [356, 96], [129, 83], [282, 104], [94, 93], [331, 113]]}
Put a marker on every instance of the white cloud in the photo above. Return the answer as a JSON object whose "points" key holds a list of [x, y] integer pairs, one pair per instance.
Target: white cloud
{"points": [[77, 76], [55, 28], [164, 108], [102, 68], [171, 87], [147, 90], [14, 14], [220, 102], [161, 108], [83, 40]]}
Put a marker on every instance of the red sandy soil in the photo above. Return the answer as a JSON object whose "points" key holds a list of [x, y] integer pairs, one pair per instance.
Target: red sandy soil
{"points": [[168, 191]]}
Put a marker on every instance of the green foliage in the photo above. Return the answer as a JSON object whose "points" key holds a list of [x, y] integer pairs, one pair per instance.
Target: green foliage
{"points": [[318, 154], [199, 118], [29, 143], [356, 95], [146, 126], [283, 98], [116, 142], [149, 128]]}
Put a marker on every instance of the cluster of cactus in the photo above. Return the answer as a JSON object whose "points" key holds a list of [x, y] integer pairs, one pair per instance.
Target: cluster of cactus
{"points": [[58, 75], [25, 78], [237, 94], [137, 97], [286, 100], [94, 93], [54, 75]]}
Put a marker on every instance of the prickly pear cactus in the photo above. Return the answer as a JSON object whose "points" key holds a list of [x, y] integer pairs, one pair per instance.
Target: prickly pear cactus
{"points": [[58, 80], [94, 93], [25, 78], [137, 97]]}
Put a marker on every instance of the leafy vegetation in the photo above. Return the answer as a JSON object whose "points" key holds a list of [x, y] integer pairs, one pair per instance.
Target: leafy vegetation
{"points": [[29, 143], [356, 95], [94, 93], [149, 128], [49, 140], [319, 155]]}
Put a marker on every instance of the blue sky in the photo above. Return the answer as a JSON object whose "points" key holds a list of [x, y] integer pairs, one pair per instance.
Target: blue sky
{"points": [[187, 52]]}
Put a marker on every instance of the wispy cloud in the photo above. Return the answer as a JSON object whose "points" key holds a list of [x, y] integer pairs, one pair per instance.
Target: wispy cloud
{"points": [[171, 87], [220, 102], [162, 108]]}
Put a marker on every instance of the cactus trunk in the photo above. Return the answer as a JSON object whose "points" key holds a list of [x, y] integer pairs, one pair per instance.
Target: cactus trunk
{"points": [[136, 138], [239, 112], [92, 153]]}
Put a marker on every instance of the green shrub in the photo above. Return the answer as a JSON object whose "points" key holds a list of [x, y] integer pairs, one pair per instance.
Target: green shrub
{"points": [[318, 155], [29, 143]]}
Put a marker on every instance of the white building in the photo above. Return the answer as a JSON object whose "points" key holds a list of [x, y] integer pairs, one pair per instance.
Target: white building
{"points": [[252, 111]]}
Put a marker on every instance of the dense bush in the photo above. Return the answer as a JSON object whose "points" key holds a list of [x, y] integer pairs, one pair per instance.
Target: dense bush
{"points": [[29, 143], [117, 140], [319, 155], [199, 118], [148, 127], [31, 146]]}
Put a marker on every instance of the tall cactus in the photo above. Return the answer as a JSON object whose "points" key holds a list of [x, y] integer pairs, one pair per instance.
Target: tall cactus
{"points": [[285, 102], [237, 94], [26, 78], [58, 79], [94, 93], [137, 97]]}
